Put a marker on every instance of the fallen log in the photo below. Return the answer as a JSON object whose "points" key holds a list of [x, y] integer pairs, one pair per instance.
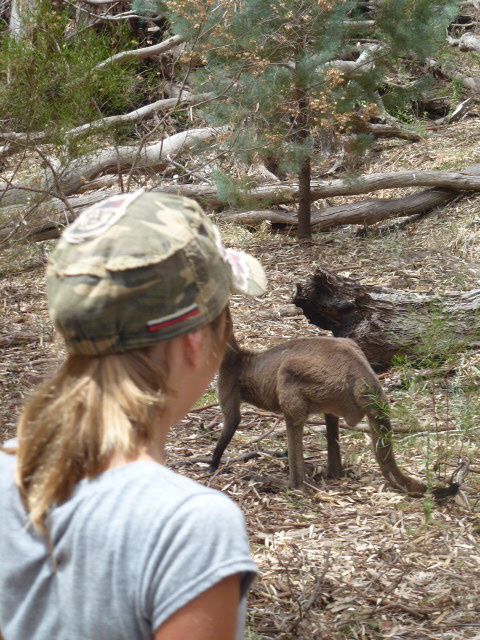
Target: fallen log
{"points": [[69, 179], [470, 83], [88, 167], [467, 42], [387, 130], [368, 212], [52, 216], [47, 220], [285, 193], [386, 322], [365, 212]]}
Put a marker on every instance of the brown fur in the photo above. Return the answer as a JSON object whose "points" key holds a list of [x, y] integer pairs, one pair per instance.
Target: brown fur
{"points": [[310, 375]]}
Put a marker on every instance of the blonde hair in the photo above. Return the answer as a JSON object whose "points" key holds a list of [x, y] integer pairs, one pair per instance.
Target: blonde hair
{"points": [[92, 408]]}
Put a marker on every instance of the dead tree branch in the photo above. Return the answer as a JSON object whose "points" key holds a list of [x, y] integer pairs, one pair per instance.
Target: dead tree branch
{"points": [[142, 53], [103, 123], [84, 169]]}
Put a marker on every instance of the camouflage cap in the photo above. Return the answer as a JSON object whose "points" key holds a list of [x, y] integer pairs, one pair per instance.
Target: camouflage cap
{"points": [[141, 267]]}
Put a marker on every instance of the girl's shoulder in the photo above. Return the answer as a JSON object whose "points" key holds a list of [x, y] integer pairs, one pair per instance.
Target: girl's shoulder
{"points": [[148, 496]]}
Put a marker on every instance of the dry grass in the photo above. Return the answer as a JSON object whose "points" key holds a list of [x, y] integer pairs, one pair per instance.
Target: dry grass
{"points": [[344, 559]]}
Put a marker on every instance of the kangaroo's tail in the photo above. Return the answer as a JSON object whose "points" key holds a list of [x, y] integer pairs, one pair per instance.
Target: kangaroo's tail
{"points": [[382, 442]]}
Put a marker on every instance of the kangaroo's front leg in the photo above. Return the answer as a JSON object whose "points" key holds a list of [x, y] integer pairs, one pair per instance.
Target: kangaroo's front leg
{"points": [[230, 407], [334, 464]]}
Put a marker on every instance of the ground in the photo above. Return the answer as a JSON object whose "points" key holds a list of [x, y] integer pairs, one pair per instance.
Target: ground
{"points": [[350, 558]]}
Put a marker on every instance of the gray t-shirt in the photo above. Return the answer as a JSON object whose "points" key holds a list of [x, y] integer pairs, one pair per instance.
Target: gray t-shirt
{"points": [[133, 546]]}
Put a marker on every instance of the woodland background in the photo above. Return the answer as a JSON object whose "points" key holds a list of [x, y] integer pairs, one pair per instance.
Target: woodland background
{"points": [[332, 139]]}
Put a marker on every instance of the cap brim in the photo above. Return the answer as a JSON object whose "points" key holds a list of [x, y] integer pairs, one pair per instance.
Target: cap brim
{"points": [[248, 276]]}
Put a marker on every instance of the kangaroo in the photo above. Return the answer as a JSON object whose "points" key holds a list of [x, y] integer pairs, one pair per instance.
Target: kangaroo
{"points": [[304, 376]]}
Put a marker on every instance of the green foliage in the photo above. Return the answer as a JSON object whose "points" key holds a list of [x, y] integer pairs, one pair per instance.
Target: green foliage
{"points": [[428, 509], [148, 8], [439, 341], [230, 191], [270, 61], [438, 345], [414, 28], [209, 397], [438, 402], [48, 82], [261, 55]]}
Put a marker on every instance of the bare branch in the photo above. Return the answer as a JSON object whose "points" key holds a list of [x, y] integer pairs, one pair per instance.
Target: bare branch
{"points": [[103, 123], [144, 52]]}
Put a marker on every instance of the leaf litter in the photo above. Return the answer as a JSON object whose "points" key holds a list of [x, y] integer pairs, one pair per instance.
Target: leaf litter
{"points": [[346, 558]]}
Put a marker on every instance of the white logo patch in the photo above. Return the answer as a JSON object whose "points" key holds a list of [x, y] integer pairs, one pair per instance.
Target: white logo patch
{"points": [[95, 220]]}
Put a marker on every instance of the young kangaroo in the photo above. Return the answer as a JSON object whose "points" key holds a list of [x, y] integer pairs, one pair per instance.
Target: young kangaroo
{"points": [[305, 376]]}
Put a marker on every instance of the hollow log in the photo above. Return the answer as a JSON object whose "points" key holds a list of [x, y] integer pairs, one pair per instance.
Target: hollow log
{"points": [[387, 322]]}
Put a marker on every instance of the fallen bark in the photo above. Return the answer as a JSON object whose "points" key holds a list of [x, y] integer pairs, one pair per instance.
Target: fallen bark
{"points": [[385, 322]]}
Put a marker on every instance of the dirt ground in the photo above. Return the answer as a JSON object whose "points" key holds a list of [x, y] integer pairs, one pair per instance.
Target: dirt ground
{"points": [[350, 558]]}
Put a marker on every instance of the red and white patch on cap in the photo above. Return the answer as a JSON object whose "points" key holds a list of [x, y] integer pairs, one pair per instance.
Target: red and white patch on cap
{"points": [[173, 319]]}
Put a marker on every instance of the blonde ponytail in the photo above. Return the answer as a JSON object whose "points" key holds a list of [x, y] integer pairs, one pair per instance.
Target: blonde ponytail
{"points": [[91, 408]]}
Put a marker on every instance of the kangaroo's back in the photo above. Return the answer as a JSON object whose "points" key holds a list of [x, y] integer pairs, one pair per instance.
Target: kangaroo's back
{"points": [[331, 374]]}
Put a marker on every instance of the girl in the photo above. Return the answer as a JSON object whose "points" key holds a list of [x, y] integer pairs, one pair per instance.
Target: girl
{"points": [[98, 539]]}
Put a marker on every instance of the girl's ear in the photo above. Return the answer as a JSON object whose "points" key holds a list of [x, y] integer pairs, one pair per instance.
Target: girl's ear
{"points": [[193, 344]]}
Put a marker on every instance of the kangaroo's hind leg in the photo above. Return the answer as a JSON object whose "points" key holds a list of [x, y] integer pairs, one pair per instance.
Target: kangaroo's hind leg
{"points": [[334, 460], [230, 406]]}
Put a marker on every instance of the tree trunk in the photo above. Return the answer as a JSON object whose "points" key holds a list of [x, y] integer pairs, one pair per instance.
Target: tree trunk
{"points": [[304, 205], [385, 322], [22, 14], [301, 136]]}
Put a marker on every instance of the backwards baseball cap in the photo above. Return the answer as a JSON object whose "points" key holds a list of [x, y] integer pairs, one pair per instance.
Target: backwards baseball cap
{"points": [[142, 267]]}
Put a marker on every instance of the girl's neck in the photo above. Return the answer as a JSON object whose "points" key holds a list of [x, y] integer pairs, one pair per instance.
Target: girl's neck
{"points": [[154, 451]]}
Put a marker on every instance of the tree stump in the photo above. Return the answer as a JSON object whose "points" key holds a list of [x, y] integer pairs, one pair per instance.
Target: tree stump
{"points": [[386, 322]]}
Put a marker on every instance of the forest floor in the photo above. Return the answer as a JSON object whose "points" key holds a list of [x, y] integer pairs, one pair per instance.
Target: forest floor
{"points": [[346, 558]]}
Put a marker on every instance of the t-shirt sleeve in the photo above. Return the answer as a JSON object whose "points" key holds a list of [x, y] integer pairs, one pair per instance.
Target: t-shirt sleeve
{"points": [[202, 543]]}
